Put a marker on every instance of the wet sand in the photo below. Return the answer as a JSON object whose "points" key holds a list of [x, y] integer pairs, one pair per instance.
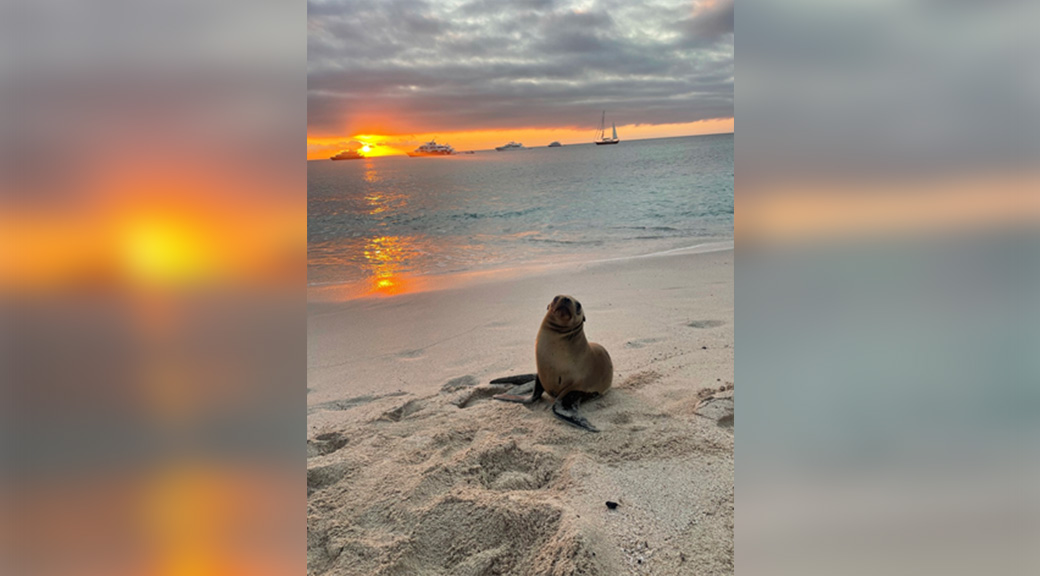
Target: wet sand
{"points": [[414, 469]]}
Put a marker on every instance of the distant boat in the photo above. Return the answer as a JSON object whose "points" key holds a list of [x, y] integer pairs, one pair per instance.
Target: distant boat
{"points": [[603, 132], [432, 148], [555, 145], [347, 155], [510, 146]]}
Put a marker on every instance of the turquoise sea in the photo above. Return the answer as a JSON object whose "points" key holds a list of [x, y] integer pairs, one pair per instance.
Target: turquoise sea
{"points": [[373, 220]]}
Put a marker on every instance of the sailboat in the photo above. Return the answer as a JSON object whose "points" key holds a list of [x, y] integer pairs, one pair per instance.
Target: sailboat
{"points": [[603, 132]]}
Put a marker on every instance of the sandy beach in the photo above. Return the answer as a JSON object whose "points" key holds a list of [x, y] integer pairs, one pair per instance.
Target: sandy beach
{"points": [[414, 469]]}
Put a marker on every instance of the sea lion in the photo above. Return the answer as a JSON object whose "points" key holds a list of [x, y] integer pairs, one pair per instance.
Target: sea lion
{"points": [[570, 368]]}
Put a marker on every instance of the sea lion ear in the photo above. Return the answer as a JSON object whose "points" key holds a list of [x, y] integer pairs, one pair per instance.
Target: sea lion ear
{"points": [[583, 318]]}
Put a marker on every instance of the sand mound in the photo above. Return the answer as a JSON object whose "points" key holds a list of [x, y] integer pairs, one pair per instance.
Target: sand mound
{"points": [[717, 404], [474, 536], [455, 483]]}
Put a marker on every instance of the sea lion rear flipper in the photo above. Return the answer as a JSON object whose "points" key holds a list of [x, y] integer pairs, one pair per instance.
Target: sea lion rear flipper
{"points": [[520, 379], [566, 408], [519, 393]]}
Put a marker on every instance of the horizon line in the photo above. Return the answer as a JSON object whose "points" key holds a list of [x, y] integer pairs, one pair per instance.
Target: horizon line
{"points": [[404, 153]]}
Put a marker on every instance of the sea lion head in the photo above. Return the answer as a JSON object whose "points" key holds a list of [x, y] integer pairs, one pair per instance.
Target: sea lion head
{"points": [[565, 313]]}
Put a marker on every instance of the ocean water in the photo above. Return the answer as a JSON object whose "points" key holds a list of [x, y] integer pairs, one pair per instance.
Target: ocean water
{"points": [[372, 222]]}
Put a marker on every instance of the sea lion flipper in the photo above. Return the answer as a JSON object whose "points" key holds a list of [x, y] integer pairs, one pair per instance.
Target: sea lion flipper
{"points": [[519, 393], [519, 379], [566, 408]]}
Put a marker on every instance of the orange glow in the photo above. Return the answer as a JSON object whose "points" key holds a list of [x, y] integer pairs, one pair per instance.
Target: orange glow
{"points": [[322, 147], [163, 250], [803, 210], [195, 515], [371, 146], [385, 256], [158, 244]]}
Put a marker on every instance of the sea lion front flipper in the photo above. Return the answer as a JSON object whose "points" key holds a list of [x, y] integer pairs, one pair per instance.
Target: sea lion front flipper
{"points": [[519, 393], [566, 408]]}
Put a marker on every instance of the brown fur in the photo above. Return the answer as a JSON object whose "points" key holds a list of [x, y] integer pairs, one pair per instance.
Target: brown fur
{"points": [[566, 360]]}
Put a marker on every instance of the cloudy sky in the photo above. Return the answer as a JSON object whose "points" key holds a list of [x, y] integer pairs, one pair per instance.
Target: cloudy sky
{"points": [[418, 67]]}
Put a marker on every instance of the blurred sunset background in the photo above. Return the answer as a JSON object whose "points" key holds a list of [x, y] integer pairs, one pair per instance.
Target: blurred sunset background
{"points": [[152, 245], [887, 288]]}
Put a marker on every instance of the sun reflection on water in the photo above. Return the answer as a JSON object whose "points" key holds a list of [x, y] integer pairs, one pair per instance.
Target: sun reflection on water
{"points": [[371, 174], [387, 256]]}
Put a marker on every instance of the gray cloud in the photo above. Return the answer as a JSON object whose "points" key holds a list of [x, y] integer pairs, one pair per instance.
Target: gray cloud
{"points": [[708, 24], [421, 66]]}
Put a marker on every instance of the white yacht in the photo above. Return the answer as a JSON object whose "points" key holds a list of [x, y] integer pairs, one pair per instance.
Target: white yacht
{"points": [[432, 148], [510, 146]]}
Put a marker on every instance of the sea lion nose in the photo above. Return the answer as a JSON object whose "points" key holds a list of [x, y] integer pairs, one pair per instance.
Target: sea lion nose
{"points": [[565, 301]]}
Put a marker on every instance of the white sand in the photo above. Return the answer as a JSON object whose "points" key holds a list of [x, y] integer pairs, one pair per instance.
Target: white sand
{"points": [[413, 469]]}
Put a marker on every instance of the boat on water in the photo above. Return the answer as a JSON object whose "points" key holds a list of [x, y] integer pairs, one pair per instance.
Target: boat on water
{"points": [[555, 145], [432, 148], [510, 146], [603, 131], [347, 155]]}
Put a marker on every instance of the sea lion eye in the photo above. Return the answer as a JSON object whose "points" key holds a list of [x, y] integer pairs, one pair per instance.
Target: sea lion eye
{"points": [[579, 307]]}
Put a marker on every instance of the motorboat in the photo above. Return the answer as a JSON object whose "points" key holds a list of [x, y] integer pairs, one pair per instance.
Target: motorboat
{"points": [[432, 148]]}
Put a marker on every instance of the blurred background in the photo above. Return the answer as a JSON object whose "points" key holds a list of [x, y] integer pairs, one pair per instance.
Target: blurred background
{"points": [[152, 277], [887, 287]]}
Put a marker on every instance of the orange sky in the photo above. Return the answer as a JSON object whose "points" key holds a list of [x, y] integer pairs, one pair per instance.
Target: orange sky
{"points": [[319, 148]]}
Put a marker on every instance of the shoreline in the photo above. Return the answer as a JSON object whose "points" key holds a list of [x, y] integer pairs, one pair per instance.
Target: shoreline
{"points": [[332, 292]]}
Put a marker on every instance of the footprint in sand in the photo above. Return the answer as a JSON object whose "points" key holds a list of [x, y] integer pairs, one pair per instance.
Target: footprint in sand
{"points": [[455, 384], [640, 379], [325, 443], [475, 396], [348, 403], [641, 343], [509, 467], [705, 324], [410, 354], [404, 410], [324, 476]]}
